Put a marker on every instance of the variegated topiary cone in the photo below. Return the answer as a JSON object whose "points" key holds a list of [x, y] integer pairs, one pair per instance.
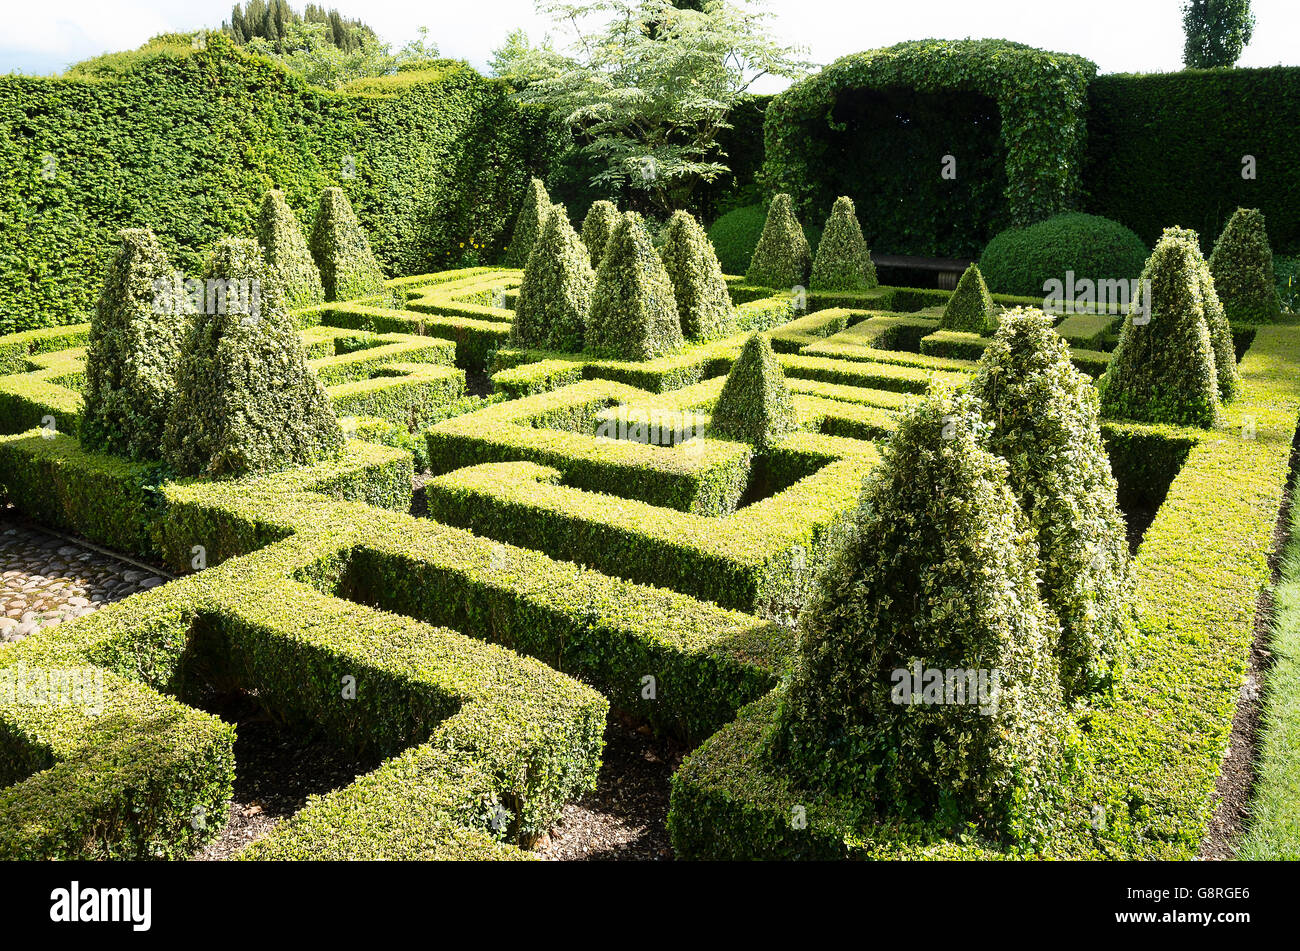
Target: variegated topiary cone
{"points": [[782, 258], [597, 227], [1225, 353], [348, 268], [287, 254], [970, 308], [555, 296], [755, 404], [529, 223], [1242, 267], [843, 262], [633, 309], [703, 302]]}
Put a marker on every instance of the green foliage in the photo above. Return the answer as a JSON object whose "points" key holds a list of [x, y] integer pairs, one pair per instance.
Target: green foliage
{"points": [[1043, 420], [1164, 368], [1023, 260], [703, 303], [287, 257], [1217, 31], [971, 308], [135, 342], [431, 166], [939, 573], [348, 269], [633, 311], [597, 227], [1242, 267], [816, 139], [735, 235], [273, 20], [782, 258], [843, 262], [1216, 320], [755, 405], [529, 222], [555, 296], [246, 401]]}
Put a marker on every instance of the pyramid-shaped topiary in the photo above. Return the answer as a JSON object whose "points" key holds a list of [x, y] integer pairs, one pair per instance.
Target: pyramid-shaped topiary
{"points": [[597, 227], [348, 268], [843, 262], [135, 344], [633, 309], [755, 404], [528, 223], [926, 682], [703, 303], [1163, 369], [246, 400], [287, 256], [1242, 267], [1043, 419], [555, 295], [1225, 354], [782, 258], [970, 308]]}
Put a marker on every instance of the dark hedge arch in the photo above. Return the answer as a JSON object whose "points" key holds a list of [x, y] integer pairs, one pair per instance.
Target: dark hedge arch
{"points": [[1041, 98]]}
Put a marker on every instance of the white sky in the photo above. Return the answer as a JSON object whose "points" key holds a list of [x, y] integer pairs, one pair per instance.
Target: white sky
{"points": [[1119, 35]]}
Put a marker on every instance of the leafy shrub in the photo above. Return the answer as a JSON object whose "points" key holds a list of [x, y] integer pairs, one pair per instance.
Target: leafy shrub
{"points": [[971, 307], [1242, 267], [755, 404], [348, 269], [1042, 417], [597, 227], [246, 400], [843, 262], [1021, 260], [1163, 369], [940, 574], [555, 295], [288, 259], [528, 223], [782, 257], [633, 310], [135, 343], [735, 236], [703, 303]]}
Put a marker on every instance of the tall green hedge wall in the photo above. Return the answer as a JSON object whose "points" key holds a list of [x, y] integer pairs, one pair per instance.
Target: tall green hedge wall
{"points": [[1166, 149], [186, 141]]}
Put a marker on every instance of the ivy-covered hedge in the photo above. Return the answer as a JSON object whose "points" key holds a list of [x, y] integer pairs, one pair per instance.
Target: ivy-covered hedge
{"points": [[187, 141]]}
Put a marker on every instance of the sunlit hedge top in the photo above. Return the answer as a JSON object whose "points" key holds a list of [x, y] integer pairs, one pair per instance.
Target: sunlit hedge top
{"points": [[1041, 97]]}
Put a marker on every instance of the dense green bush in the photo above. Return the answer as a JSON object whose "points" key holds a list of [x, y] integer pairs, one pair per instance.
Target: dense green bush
{"points": [[939, 575], [135, 343], [530, 221], [597, 227], [1242, 268], [1163, 370], [782, 258], [1021, 260], [186, 141], [633, 309], [735, 235], [1216, 320], [246, 400], [755, 404], [703, 303], [843, 262], [288, 258], [1043, 420], [970, 308], [555, 295], [348, 269]]}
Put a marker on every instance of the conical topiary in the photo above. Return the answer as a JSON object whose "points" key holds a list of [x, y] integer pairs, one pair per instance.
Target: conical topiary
{"points": [[555, 295], [703, 303], [782, 258], [246, 400], [633, 310], [926, 682], [1043, 419], [348, 268], [843, 262], [970, 308], [1242, 267], [597, 227], [287, 256], [135, 343], [528, 223], [1163, 369], [1225, 354], [755, 404]]}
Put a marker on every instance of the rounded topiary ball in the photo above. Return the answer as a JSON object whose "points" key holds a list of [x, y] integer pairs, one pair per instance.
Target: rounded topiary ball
{"points": [[1020, 260]]}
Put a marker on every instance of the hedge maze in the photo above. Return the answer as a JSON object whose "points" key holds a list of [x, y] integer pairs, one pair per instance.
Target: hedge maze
{"points": [[589, 544]]}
